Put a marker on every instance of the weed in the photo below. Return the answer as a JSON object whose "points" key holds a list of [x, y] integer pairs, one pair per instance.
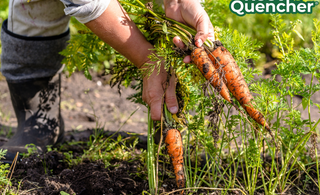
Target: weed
{"points": [[64, 193], [3, 170], [31, 149], [6, 172]]}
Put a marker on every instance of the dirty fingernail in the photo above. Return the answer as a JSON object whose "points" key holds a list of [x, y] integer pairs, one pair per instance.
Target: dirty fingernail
{"points": [[178, 42], [173, 109], [199, 41], [211, 39]]}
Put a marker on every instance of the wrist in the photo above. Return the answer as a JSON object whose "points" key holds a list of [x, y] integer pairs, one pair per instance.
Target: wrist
{"points": [[140, 57]]}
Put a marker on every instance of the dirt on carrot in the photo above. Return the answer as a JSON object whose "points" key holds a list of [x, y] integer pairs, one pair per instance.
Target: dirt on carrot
{"points": [[200, 58]]}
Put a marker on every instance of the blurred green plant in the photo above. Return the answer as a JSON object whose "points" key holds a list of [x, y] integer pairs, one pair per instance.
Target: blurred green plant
{"points": [[256, 26], [4, 11], [4, 170]]}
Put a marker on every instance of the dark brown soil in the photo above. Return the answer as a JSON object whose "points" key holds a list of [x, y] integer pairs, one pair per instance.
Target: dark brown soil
{"points": [[50, 173], [85, 178]]}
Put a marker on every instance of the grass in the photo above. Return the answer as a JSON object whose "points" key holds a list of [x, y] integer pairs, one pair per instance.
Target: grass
{"points": [[5, 119]]}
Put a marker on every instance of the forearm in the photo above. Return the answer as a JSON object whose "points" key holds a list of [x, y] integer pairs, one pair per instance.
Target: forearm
{"points": [[116, 28]]}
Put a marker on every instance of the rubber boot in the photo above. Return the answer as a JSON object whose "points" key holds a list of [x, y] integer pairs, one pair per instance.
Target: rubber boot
{"points": [[37, 107], [31, 66]]}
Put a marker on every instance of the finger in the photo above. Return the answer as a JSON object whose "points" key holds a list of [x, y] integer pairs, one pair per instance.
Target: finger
{"points": [[202, 30], [211, 37], [211, 33], [172, 10], [154, 100], [152, 94], [171, 99], [187, 59], [178, 42]]}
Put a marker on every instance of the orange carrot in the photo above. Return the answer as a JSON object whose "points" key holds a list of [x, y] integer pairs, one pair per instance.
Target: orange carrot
{"points": [[200, 58], [173, 142], [235, 82]]}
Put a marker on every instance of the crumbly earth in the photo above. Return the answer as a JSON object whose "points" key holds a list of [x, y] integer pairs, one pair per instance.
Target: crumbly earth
{"points": [[85, 178]]}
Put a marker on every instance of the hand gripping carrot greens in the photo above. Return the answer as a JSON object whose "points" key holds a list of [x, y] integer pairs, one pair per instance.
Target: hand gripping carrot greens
{"points": [[219, 55], [231, 77]]}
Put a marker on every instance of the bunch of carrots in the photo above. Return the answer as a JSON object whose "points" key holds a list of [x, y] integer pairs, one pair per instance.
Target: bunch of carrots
{"points": [[230, 79], [210, 60], [209, 63]]}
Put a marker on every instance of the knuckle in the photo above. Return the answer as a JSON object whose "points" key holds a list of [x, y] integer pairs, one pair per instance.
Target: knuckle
{"points": [[153, 95], [170, 99]]}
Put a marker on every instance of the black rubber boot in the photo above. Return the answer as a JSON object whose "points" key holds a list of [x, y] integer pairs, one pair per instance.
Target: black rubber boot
{"points": [[37, 107]]}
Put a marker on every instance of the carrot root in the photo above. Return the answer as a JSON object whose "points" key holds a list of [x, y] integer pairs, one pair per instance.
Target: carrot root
{"points": [[235, 82], [174, 145], [200, 58]]}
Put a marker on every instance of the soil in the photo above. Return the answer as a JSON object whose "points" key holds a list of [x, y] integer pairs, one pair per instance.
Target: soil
{"points": [[87, 104], [85, 178]]}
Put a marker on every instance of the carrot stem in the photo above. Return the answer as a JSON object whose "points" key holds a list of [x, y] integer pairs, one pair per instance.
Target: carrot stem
{"points": [[150, 156]]}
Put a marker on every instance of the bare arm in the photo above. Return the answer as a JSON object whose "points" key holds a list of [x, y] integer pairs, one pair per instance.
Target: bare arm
{"points": [[116, 29]]}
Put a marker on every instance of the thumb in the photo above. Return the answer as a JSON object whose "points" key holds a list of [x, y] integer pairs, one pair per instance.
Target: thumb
{"points": [[202, 29]]}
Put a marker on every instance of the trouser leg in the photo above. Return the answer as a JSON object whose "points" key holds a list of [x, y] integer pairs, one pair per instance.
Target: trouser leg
{"points": [[37, 18], [31, 65]]}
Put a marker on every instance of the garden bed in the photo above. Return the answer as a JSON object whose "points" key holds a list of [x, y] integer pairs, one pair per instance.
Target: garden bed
{"points": [[52, 173]]}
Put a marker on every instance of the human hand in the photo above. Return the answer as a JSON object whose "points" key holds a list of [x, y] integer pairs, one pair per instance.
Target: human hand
{"points": [[153, 92], [191, 13], [127, 39]]}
